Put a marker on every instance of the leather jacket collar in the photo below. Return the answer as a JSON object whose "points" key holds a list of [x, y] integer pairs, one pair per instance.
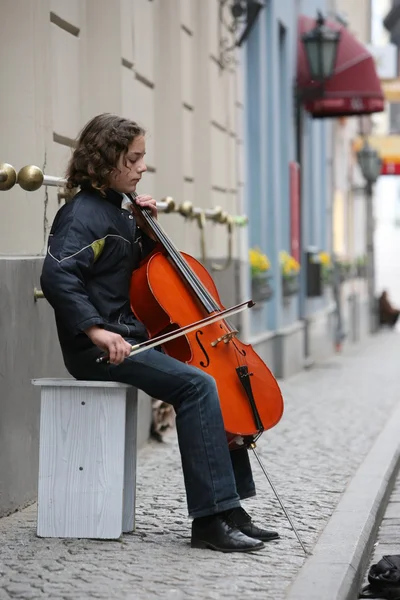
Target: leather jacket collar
{"points": [[109, 194], [114, 197]]}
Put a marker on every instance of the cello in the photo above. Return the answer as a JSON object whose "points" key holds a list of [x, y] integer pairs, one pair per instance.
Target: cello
{"points": [[177, 291]]}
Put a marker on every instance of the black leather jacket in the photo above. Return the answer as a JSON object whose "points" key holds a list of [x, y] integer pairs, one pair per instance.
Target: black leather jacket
{"points": [[94, 245]]}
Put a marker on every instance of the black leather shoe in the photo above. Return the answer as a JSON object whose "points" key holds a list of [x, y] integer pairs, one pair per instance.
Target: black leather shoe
{"points": [[218, 534], [238, 517]]}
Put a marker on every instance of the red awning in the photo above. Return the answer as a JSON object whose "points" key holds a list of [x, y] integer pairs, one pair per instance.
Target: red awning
{"points": [[354, 88]]}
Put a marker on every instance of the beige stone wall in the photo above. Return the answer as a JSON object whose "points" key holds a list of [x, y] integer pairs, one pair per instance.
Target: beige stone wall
{"points": [[358, 14], [155, 61]]}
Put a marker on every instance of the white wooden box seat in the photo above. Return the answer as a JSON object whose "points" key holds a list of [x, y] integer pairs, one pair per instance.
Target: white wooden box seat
{"points": [[87, 459]]}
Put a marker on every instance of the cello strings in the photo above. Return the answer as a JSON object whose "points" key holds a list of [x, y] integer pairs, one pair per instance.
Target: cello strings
{"points": [[191, 277], [181, 263], [195, 281], [175, 256]]}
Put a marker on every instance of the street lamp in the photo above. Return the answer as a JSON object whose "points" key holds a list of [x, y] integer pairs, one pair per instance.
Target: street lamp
{"points": [[370, 163], [371, 166], [321, 46], [244, 14]]}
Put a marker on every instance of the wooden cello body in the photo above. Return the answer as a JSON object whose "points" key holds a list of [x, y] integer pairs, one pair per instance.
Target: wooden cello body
{"points": [[170, 290]]}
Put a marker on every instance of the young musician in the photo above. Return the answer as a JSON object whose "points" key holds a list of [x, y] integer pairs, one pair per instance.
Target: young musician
{"points": [[96, 241]]}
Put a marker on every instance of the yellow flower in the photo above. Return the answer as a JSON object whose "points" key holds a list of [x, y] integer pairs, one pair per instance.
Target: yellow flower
{"points": [[289, 265], [325, 259], [259, 262]]}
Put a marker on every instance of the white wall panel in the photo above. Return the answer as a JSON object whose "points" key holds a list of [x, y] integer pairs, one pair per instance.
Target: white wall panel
{"points": [[232, 167], [183, 232], [234, 203], [230, 95], [147, 185], [127, 30], [187, 44], [57, 160], [217, 236], [241, 200], [168, 99], [58, 157], [240, 122], [25, 118], [188, 192], [241, 165], [129, 101], [69, 11], [190, 238], [188, 141], [240, 81], [219, 158], [212, 9], [101, 58], [144, 115], [218, 93], [144, 38], [218, 198], [187, 9], [65, 82]]}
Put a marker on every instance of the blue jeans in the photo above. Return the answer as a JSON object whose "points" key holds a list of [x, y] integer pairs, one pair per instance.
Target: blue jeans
{"points": [[215, 478]]}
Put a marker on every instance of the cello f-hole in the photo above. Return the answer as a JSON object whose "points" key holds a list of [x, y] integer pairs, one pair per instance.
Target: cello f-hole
{"points": [[241, 352], [202, 363]]}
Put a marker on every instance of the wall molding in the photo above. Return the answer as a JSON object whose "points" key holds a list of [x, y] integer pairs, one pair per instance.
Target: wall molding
{"points": [[144, 80], [186, 29], [64, 140], [127, 63], [62, 24]]}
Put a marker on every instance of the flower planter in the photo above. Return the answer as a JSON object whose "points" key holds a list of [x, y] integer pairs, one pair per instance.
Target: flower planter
{"points": [[327, 277], [362, 271], [261, 289], [290, 285], [345, 272]]}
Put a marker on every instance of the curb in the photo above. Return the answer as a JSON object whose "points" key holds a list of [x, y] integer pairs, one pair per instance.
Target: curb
{"points": [[336, 567]]}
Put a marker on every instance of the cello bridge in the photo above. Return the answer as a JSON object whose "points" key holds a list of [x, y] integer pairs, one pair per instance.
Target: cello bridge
{"points": [[226, 338]]}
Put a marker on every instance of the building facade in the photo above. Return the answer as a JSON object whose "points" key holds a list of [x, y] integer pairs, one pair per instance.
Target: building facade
{"points": [[323, 213], [292, 329]]}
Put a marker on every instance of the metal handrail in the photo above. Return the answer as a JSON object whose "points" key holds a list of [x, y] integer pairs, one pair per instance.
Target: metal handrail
{"points": [[31, 178]]}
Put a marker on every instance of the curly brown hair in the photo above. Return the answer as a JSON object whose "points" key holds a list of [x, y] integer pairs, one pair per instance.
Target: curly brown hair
{"points": [[100, 144]]}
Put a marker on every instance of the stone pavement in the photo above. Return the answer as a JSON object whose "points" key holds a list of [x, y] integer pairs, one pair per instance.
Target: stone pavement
{"points": [[333, 414]]}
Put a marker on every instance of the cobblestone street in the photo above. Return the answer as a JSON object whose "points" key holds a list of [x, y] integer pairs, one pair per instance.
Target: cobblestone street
{"points": [[333, 414]]}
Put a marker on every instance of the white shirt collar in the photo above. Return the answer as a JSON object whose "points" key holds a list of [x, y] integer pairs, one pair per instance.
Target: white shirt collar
{"points": [[126, 202]]}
